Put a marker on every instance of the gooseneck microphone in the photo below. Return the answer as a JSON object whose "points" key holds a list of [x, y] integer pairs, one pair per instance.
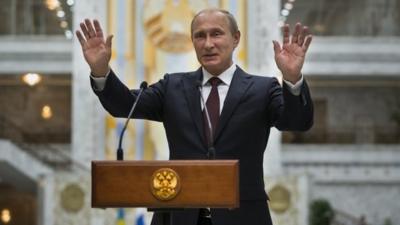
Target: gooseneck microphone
{"points": [[120, 151], [211, 149]]}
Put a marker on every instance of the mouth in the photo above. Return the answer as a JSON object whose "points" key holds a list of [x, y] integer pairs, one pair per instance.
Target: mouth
{"points": [[210, 55]]}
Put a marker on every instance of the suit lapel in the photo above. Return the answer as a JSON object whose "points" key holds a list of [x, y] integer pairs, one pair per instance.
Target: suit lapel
{"points": [[192, 94], [239, 86]]}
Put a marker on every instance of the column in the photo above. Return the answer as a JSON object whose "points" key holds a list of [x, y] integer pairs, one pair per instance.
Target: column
{"points": [[263, 17], [88, 115]]}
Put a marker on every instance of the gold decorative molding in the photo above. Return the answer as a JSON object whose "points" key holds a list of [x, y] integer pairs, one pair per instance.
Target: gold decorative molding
{"points": [[280, 199], [165, 184], [72, 198], [167, 24]]}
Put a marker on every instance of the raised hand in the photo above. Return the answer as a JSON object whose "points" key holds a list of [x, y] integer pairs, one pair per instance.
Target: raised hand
{"points": [[96, 50], [290, 57]]}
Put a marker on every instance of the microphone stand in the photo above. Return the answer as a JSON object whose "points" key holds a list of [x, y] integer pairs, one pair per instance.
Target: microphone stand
{"points": [[120, 151], [166, 214], [166, 217]]}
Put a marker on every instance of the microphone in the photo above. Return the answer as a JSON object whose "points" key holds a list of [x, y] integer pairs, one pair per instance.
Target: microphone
{"points": [[211, 149], [120, 151]]}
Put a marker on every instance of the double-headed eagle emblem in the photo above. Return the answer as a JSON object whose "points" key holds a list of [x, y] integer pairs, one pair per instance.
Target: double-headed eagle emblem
{"points": [[165, 184]]}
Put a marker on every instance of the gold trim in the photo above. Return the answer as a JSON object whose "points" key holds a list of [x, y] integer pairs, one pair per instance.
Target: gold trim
{"points": [[280, 199]]}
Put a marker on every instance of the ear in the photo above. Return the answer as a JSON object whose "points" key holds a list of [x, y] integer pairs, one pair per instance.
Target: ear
{"points": [[236, 39]]}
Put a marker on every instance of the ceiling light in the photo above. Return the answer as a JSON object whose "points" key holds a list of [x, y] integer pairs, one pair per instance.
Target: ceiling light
{"points": [[288, 6], [64, 24], [285, 12], [5, 216], [52, 4], [46, 112], [60, 13], [31, 79], [68, 34]]}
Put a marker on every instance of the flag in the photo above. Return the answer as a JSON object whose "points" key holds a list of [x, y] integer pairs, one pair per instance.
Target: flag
{"points": [[121, 217], [140, 216]]}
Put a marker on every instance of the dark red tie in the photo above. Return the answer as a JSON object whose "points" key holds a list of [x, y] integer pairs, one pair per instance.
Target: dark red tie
{"points": [[212, 105]]}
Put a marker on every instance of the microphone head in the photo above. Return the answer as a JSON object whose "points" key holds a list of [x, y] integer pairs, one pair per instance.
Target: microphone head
{"points": [[143, 85]]}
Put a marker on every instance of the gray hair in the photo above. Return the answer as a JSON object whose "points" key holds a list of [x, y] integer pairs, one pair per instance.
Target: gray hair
{"points": [[233, 27]]}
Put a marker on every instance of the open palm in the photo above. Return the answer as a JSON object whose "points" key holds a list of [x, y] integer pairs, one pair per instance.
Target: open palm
{"points": [[96, 50], [290, 57]]}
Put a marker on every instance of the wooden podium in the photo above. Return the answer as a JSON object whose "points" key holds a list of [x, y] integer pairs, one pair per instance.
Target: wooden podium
{"points": [[166, 184]]}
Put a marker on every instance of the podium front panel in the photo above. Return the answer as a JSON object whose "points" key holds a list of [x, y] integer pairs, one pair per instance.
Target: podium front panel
{"points": [[202, 183]]}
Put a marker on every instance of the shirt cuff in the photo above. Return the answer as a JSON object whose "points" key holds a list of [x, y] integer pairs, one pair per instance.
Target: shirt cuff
{"points": [[295, 89], [100, 82]]}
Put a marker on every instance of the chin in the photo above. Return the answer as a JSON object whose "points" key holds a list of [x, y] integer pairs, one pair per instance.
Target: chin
{"points": [[210, 64]]}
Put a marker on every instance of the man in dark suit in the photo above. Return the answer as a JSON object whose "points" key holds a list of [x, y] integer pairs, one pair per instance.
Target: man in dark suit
{"points": [[241, 107]]}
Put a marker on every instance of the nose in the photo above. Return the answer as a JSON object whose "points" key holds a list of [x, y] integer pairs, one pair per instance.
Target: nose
{"points": [[209, 44]]}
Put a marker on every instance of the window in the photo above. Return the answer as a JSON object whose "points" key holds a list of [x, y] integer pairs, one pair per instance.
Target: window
{"points": [[353, 111], [36, 114], [36, 17], [344, 17]]}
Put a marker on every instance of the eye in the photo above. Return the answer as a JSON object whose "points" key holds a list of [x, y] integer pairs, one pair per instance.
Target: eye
{"points": [[216, 33], [199, 35]]}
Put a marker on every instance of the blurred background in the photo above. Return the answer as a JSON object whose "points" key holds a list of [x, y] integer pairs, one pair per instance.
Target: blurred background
{"points": [[344, 171]]}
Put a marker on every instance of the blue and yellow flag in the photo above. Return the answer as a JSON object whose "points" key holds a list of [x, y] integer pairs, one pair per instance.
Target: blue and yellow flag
{"points": [[121, 217]]}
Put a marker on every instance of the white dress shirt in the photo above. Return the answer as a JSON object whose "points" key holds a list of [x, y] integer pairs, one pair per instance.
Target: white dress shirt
{"points": [[225, 77]]}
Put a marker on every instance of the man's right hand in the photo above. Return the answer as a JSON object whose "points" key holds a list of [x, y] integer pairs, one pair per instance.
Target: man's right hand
{"points": [[96, 50]]}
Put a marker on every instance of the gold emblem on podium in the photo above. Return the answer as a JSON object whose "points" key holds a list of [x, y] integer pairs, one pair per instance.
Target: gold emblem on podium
{"points": [[165, 184]]}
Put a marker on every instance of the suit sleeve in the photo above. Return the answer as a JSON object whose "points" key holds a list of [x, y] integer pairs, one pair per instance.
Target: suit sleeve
{"points": [[288, 111], [117, 99]]}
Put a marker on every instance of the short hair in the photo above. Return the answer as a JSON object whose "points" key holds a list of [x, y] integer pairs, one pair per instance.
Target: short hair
{"points": [[233, 27]]}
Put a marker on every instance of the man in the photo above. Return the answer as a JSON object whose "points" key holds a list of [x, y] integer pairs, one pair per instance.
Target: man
{"points": [[241, 107]]}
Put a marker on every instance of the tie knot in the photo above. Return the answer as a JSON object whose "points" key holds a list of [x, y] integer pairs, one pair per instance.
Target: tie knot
{"points": [[214, 81]]}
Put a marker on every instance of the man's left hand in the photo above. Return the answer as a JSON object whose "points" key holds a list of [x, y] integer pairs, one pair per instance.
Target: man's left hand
{"points": [[290, 56]]}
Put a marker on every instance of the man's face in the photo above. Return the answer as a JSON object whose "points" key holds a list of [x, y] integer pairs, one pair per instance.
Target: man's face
{"points": [[213, 41]]}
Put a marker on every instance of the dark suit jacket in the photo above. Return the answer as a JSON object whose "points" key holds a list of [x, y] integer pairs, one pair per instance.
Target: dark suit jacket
{"points": [[253, 105]]}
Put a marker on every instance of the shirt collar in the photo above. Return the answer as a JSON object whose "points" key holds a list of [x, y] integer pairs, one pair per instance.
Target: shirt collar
{"points": [[225, 76]]}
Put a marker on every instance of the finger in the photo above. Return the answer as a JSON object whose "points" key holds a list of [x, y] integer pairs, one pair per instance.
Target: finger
{"points": [[82, 41], [296, 33], [304, 32], [307, 42], [277, 47], [90, 28], [84, 30], [109, 41], [286, 34], [97, 27]]}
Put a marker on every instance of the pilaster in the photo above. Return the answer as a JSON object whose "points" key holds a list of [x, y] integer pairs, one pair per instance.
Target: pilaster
{"points": [[263, 27]]}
